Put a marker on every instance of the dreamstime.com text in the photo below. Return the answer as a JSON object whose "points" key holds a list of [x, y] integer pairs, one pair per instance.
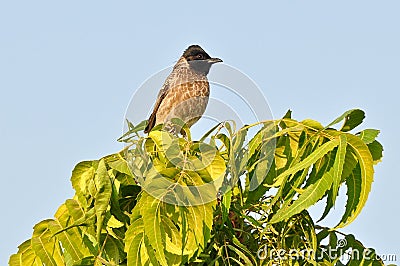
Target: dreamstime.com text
{"points": [[332, 253]]}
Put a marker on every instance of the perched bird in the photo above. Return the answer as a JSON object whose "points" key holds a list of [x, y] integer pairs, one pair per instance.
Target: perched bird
{"points": [[186, 90]]}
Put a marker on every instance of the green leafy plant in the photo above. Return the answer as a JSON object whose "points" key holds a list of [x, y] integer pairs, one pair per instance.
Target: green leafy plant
{"points": [[234, 197]]}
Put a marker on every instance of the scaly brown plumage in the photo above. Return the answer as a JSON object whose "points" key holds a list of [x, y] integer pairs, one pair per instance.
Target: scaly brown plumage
{"points": [[186, 90]]}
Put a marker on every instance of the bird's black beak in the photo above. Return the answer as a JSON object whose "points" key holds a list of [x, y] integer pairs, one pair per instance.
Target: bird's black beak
{"points": [[214, 60]]}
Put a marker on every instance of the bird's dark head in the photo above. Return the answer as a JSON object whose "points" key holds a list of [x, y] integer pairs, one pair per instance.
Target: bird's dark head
{"points": [[198, 59]]}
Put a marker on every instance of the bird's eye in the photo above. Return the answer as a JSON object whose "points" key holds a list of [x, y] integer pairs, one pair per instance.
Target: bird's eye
{"points": [[199, 56]]}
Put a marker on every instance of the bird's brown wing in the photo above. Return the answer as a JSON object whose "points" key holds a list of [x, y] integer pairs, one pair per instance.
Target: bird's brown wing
{"points": [[152, 119]]}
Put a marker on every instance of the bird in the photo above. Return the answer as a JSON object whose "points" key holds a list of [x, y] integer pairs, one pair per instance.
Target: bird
{"points": [[185, 92]]}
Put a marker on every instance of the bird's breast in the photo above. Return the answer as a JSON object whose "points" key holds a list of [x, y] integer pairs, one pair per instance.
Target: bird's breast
{"points": [[187, 101]]}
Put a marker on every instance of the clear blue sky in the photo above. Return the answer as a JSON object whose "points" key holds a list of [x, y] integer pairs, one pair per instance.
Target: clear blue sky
{"points": [[68, 70]]}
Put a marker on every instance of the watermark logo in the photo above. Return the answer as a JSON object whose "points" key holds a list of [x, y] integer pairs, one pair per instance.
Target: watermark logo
{"points": [[341, 243], [341, 252]]}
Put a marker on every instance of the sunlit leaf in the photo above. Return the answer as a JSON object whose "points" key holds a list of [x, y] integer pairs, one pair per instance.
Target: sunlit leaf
{"points": [[352, 118], [312, 158], [153, 230], [170, 200], [71, 239], [45, 246], [368, 135], [366, 177], [103, 194], [338, 165], [310, 196], [25, 256]]}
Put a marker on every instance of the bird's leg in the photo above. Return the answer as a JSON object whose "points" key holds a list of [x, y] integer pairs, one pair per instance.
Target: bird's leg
{"points": [[183, 133], [169, 127], [175, 129]]}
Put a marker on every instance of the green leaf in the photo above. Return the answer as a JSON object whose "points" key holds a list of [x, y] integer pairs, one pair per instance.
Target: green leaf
{"points": [[329, 205], [71, 239], [82, 173], [114, 223], [368, 135], [308, 161], [87, 261], [152, 226], [135, 246], [263, 165], [312, 123], [215, 165], [352, 119], [25, 256], [230, 126], [162, 139], [111, 250], [376, 151], [45, 246], [174, 241], [353, 183], [115, 208], [350, 162], [174, 234], [262, 168], [237, 141], [322, 235], [203, 138], [224, 139], [120, 165], [226, 205], [74, 210], [103, 195], [256, 142], [367, 171], [132, 130], [248, 259], [310, 196], [338, 165], [137, 254], [288, 114], [204, 220]]}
